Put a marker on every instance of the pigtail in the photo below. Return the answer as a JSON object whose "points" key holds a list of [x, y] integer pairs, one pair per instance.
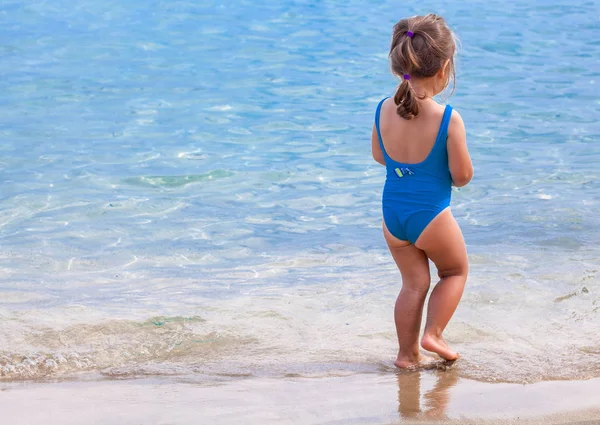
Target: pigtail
{"points": [[406, 101], [406, 58]]}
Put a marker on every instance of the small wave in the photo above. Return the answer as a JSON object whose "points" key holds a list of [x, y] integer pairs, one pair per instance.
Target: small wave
{"points": [[129, 345], [196, 155]]}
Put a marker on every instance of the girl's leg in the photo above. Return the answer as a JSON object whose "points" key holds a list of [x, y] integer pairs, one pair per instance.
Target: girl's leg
{"points": [[414, 267], [444, 244]]}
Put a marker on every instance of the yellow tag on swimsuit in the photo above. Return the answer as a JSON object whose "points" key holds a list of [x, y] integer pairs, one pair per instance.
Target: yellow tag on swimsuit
{"points": [[401, 172]]}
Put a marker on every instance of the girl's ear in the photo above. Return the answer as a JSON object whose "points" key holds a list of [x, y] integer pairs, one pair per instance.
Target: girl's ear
{"points": [[443, 72]]}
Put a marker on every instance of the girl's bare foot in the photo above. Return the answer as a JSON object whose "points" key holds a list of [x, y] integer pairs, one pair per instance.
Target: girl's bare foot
{"points": [[438, 345], [415, 362]]}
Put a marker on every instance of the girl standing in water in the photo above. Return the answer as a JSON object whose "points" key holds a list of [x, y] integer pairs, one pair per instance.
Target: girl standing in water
{"points": [[423, 147]]}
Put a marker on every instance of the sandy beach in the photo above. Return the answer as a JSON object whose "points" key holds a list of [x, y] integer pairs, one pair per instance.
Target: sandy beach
{"points": [[439, 397]]}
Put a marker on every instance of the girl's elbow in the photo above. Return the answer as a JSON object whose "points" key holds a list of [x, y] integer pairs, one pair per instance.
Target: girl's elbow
{"points": [[462, 179], [459, 183]]}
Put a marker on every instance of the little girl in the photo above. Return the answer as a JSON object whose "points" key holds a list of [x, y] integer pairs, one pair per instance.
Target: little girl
{"points": [[423, 147]]}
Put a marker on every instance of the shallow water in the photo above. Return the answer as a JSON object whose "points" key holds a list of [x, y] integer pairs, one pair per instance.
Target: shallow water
{"points": [[187, 189], [405, 399]]}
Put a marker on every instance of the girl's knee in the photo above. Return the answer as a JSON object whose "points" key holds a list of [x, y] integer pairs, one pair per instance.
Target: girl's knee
{"points": [[457, 270], [417, 283], [420, 290]]}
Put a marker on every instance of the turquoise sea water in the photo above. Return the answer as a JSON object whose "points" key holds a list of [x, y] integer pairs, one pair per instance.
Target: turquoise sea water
{"points": [[187, 188]]}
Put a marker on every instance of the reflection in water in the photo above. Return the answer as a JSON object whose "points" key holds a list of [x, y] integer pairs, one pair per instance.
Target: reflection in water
{"points": [[435, 401], [409, 394]]}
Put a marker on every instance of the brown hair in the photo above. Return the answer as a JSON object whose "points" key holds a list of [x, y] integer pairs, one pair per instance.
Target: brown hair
{"points": [[420, 54]]}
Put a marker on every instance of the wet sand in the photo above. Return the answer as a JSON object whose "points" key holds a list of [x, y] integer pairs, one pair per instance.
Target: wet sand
{"points": [[390, 398]]}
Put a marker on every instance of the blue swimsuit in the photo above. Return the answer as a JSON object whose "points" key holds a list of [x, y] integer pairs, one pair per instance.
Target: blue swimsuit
{"points": [[414, 194]]}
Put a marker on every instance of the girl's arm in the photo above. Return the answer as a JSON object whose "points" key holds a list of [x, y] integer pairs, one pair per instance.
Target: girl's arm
{"points": [[375, 148], [459, 160]]}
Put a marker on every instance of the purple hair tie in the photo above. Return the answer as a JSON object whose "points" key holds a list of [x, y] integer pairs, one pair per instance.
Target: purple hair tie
{"points": [[406, 77], [410, 34]]}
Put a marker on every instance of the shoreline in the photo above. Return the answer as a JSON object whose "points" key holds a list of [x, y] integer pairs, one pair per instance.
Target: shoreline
{"points": [[389, 398]]}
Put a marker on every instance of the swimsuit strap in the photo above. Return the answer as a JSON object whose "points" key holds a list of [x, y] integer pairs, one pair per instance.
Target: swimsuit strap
{"points": [[377, 114], [439, 147], [443, 132]]}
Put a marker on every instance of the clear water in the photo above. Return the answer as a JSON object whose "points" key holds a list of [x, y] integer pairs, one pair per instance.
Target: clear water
{"points": [[187, 188]]}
